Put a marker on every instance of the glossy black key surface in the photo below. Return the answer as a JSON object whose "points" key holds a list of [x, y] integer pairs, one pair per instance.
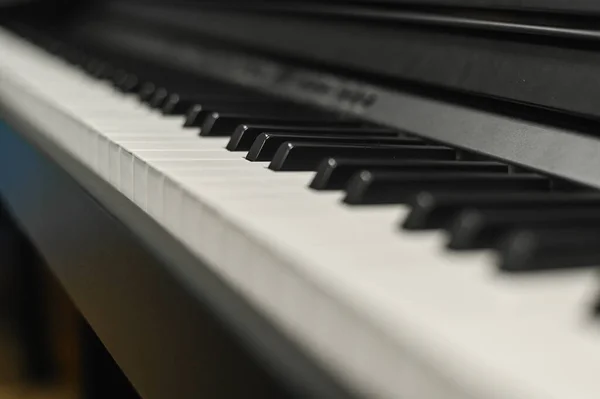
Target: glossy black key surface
{"points": [[541, 249], [244, 135], [267, 144], [474, 229], [224, 123], [334, 173], [308, 156], [431, 210], [395, 188]]}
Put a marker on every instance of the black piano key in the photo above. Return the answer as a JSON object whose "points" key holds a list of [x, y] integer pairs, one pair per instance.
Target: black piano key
{"points": [[146, 91], [128, 83], [308, 156], [463, 155], [475, 228], [158, 98], [104, 72], [565, 186], [267, 144], [526, 250], [176, 104], [73, 56], [192, 105], [98, 68], [91, 64], [54, 47], [430, 210], [84, 60], [199, 112], [244, 135], [334, 173], [395, 188], [117, 75], [225, 123]]}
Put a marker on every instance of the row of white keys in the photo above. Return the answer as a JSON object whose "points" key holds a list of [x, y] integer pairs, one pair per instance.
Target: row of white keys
{"points": [[385, 309], [498, 332]]}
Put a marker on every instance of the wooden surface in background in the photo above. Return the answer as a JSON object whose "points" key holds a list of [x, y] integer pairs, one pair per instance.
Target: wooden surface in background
{"points": [[27, 392], [64, 323]]}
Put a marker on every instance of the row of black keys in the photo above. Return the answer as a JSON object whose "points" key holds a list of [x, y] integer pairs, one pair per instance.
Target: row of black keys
{"points": [[534, 222]]}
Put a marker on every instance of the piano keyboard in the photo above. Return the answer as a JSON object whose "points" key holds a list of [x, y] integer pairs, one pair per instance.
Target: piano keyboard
{"points": [[390, 259]]}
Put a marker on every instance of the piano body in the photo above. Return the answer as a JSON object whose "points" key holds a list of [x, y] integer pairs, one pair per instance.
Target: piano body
{"points": [[316, 199]]}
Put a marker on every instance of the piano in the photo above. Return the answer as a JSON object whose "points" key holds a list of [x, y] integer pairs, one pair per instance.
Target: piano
{"points": [[343, 199]]}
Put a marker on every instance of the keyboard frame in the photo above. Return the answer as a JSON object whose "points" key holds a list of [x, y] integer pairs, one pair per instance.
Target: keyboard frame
{"points": [[526, 58], [571, 6]]}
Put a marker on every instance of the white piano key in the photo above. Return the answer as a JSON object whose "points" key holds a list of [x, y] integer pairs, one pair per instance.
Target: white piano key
{"points": [[103, 157], [124, 165], [167, 145], [158, 138], [154, 190], [202, 154], [206, 164], [140, 184], [172, 205]]}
